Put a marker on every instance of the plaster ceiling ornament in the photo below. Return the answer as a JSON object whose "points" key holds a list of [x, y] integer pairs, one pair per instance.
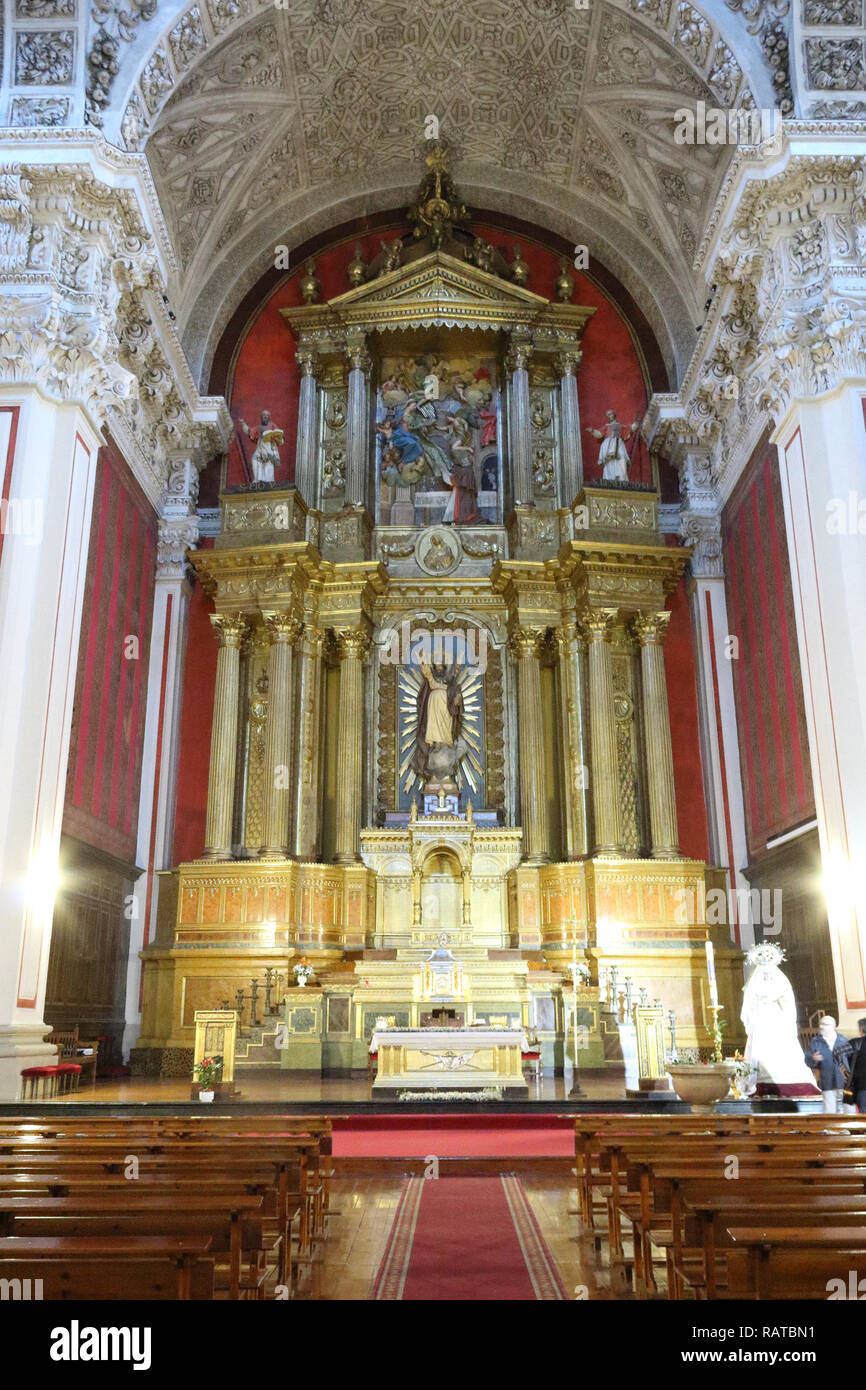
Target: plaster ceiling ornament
{"points": [[313, 132], [86, 318], [788, 320], [836, 64], [44, 57]]}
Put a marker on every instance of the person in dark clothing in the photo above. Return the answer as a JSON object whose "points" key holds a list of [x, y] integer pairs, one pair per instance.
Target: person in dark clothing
{"points": [[853, 1058], [821, 1055]]}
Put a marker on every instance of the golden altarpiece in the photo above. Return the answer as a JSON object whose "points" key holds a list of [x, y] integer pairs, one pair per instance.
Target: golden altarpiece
{"points": [[440, 710]]}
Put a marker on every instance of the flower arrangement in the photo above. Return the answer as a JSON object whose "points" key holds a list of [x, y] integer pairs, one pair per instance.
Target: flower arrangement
{"points": [[302, 972], [208, 1072]]}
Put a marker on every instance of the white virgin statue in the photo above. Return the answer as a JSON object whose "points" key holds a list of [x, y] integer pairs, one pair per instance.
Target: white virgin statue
{"points": [[769, 1014]]}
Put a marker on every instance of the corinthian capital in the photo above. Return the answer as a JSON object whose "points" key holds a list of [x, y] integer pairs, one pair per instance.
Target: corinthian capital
{"points": [[283, 627], [597, 624], [230, 629], [352, 644], [651, 628], [525, 641]]}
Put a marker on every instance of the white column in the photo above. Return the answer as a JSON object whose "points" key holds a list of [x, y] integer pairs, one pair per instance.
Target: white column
{"points": [[306, 455], [571, 450], [178, 530], [357, 425], [717, 714], [519, 421], [822, 460], [45, 537]]}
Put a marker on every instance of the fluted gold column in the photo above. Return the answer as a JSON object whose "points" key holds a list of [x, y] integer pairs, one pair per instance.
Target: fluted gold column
{"points": [[650, 629], [283, 630], [352, 647], [604, 776], [230, 630], [306, 810], [575, 774], [524, 646]]}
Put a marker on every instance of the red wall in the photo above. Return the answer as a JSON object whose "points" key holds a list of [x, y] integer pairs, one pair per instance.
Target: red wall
{"points": [[102, 784], [195, 730], [768, 691], [683, 708], [266, 375]]}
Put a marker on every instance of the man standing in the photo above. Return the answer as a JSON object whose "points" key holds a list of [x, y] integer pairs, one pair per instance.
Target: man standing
{"points": [[820, 1055], [854, 1058]]}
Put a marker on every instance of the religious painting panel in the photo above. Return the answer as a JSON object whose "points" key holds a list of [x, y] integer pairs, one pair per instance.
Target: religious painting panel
{"points": [[437, 441]]}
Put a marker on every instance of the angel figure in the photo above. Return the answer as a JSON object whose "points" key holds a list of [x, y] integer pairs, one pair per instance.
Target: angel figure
{"points": [[267, 440], [613, 456]]}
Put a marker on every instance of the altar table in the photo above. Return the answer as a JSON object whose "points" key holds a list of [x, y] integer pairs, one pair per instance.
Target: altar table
{"points": [[452, 1059]]}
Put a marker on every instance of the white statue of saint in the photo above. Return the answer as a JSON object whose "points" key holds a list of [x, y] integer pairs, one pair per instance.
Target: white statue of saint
{"points": [[267, 439], [613, 456], [769, 1015]]}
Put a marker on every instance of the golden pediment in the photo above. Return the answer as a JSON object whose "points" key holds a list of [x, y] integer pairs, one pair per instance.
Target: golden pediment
{"points": [[437, 290]]}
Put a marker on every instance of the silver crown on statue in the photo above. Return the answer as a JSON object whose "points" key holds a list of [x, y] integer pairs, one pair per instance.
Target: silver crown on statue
{"points": [[766, 953]]}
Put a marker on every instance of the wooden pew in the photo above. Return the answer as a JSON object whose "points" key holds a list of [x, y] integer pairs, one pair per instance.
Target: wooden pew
{"points": [[755, 1153], [86, 1267], [232, 1222], [794, 1262], [706, 1220]]}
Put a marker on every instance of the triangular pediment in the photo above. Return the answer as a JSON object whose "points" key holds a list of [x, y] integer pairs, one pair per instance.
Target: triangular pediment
{"points": [[435, 289], [439, 276]]}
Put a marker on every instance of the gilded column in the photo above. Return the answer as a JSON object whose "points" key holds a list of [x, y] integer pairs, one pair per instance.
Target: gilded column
{"points": [[230, 630], [308, 429], [352, 647], [283, 630], [520, 422], [575, 774], [602, 731], [571, 452], [650, 629], [524, 646], [306, 810], [357, 424]]}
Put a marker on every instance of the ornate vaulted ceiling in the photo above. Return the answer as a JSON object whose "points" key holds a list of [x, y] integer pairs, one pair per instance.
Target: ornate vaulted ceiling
{"points": [[266, 125]]}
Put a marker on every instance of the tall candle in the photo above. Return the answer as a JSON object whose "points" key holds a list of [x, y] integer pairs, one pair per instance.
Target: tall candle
{"points": [[711, 973]]}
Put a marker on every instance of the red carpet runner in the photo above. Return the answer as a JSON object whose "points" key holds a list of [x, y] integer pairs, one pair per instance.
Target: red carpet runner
{"points": [[465, 1240]]}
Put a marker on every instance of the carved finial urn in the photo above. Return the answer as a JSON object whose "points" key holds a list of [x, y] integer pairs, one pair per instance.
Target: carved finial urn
{"points": [[564, 284], [356, 269], [310, 287], [519, 269]]}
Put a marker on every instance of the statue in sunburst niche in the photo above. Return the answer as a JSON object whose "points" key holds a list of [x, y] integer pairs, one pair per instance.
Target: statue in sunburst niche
{"points": [[438, 744]]}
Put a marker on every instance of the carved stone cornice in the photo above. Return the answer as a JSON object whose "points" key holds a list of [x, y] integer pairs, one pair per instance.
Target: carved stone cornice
{"points": [[704, 535], [174, 539], [85, 310], [787, 318]]}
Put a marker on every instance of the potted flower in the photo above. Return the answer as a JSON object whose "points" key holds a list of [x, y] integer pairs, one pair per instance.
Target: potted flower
{"points": [[207, 1074], [302, 973]]}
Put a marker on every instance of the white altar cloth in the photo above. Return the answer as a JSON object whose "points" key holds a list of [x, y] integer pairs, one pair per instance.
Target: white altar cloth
{"points": [[449, 1058]]}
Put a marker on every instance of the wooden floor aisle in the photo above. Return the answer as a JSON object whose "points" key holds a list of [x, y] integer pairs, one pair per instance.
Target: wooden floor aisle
{"points": [[366, 1207]]}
